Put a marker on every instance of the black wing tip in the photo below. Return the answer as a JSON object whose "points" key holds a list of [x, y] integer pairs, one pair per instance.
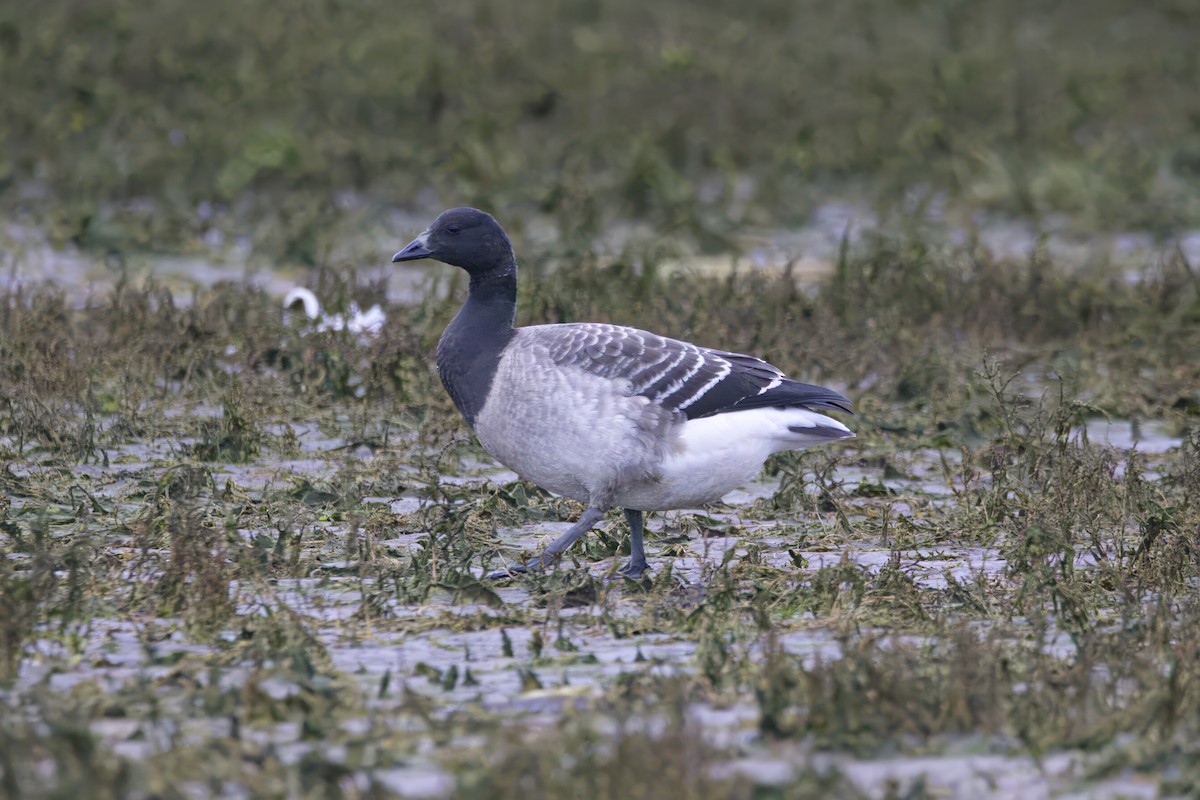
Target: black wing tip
{"points": [[841, 405], [814, 398]]}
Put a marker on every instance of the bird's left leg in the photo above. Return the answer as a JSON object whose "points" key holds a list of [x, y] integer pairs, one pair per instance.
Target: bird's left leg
{"points": [[591, 515]]}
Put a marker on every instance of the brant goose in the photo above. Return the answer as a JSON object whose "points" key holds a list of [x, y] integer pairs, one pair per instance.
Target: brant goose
{"points": [[604, 414]]}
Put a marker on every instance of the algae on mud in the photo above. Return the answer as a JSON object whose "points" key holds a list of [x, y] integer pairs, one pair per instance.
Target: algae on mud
{"points": [[239, 556]]}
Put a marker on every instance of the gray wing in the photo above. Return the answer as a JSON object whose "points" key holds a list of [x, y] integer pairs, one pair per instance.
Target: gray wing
{"points": [[680, 376]]}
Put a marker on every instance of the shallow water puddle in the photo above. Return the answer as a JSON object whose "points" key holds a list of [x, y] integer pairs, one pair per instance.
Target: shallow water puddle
{"points": [[808, 252], [1151, 438]]}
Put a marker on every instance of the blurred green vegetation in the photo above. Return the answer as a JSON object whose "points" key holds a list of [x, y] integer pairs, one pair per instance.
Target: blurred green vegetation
{"points": [[698, 117]]}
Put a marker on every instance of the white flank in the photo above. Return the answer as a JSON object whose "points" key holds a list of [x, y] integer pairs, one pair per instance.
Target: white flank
{"points": [[715, 455]]}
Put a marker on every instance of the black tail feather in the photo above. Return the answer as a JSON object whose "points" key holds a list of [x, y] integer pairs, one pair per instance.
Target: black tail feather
{"points": [[791, 393]]}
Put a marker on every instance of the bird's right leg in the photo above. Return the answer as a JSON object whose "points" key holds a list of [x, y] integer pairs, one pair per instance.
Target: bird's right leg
{"points": [[636, 565]]}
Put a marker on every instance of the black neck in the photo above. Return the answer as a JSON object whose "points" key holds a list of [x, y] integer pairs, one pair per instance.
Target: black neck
{"points": [[470, 348]]}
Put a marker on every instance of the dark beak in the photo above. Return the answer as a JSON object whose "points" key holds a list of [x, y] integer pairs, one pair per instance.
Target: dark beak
{"points": [[414, 250]]}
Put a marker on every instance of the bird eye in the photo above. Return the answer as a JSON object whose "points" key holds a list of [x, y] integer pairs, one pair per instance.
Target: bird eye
{"points": [[453, 229]]}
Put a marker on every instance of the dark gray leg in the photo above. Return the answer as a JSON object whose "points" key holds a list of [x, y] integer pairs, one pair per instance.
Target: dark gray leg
{"points": [[591, 515], [637, 550]]}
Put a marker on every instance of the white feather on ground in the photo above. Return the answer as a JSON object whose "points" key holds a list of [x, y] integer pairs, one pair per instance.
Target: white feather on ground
{"points": [[367, 323]]}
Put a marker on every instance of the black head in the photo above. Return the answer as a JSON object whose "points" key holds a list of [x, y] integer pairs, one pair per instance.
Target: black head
{"points": [[465, 237]]}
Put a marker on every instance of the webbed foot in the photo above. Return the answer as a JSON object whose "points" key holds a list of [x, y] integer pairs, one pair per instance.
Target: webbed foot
{"points": [[532, 565], [634, 569]]}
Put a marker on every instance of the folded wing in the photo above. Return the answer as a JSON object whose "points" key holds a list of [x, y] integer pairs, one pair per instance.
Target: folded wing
{"points": [[681, 376]]}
